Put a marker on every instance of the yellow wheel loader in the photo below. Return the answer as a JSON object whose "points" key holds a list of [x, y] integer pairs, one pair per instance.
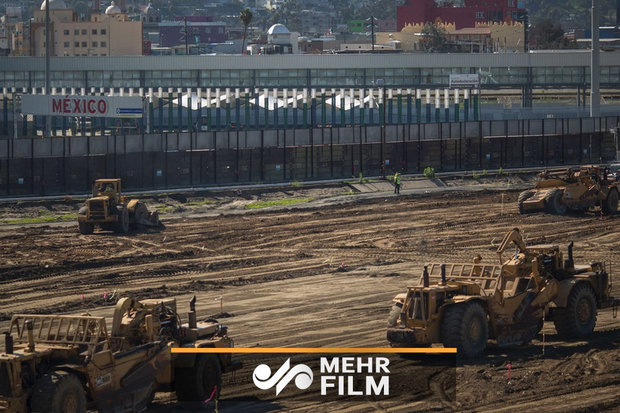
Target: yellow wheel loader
{"points": [[576, 189], [111, 210], [469, 304], [68, 364]]}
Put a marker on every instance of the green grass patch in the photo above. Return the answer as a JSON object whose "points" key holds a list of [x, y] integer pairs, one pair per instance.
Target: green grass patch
{"points": [[164, 209], [39, 220], [280, 202], [199, 203]]}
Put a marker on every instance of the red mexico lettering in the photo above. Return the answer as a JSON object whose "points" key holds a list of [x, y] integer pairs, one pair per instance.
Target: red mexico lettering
{"points": [[102, 106], [76, 106], [56, 105], [91, 106], [66, 103]]}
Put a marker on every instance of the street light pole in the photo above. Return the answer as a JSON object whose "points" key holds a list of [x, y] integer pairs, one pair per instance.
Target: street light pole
{"points": [[381, 84], [595, 64]]}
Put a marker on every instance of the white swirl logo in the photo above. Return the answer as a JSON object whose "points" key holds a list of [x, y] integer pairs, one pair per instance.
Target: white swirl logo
{"points": [[264, 380]]}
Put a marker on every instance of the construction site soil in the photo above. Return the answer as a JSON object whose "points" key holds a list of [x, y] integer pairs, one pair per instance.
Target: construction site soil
{"points": [[322, 274]]}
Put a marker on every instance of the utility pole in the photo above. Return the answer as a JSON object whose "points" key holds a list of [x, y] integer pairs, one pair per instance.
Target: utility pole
{"points": [[595, 65], [47, 64], [186, 37], [372, 31]]}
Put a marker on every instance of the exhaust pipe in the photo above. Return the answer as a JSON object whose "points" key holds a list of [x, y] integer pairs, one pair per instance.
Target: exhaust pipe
{"points": [[192, 323], [8, 343], [29, 327], [443, 274], [570, 263], [425, 281]]}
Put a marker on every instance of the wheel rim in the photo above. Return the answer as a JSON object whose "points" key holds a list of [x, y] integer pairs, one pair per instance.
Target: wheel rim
{"points": [[70, 403], [584, 311], [614, 201], [475, 330]]}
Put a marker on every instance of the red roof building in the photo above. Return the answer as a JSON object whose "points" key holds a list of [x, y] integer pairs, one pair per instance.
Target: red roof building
{"points": [[426, 11]]}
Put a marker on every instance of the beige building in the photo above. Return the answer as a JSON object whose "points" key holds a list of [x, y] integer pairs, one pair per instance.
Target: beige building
{"points": [[104, 34], [499, 37]]}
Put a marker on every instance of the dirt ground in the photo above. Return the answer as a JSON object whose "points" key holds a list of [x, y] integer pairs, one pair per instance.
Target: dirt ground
{"points": [[272, 275]]}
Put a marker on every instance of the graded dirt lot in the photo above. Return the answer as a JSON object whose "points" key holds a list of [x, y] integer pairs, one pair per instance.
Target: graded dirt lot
{"points": [[323, 275]]}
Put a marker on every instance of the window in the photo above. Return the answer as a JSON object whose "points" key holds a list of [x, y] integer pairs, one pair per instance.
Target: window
{"points": [[66, 32], [83, 44], [84, 31], [76, 44], [104, 44], [94, 31], [95, 44], [66, 44], [479, 15], [76, 32], [103, 31]]}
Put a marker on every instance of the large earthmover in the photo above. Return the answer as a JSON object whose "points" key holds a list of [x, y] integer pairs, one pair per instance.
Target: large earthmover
{"points": [[66, 364], [472, 303], [111, 210], [576, 189]]}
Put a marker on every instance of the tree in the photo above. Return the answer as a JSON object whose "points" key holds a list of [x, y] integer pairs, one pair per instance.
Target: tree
{"points": [[547, 35], [246, 18], [433, 38]]}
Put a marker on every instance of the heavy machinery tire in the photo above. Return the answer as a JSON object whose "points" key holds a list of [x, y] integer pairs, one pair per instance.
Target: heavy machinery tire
{"points": [[197, 384], [523, 196], [394, 314], [578, 318], [610, 204], [122, 225], [58, 392], [86, 228], [553, 202], [465, 327], [140, 213]]}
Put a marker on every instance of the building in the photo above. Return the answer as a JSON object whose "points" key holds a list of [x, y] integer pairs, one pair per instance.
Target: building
{"points": [[484, 37], [105, 34], [475, 11], [280, 40], [191, 30]]}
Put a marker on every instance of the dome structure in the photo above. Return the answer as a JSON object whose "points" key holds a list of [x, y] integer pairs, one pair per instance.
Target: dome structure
{"points": [[113, 9], [55, 5], [150, 14], [278, 29]]}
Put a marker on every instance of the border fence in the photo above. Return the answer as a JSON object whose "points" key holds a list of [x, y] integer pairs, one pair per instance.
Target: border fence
{"points": [[68, 165]]}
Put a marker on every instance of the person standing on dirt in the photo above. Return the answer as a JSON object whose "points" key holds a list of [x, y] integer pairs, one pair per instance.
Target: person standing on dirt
{"points": [[397, 183]]}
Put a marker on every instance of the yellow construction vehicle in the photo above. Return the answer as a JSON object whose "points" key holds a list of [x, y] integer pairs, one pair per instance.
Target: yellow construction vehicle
{"points": [[110, 210], [574, 188], [507, 303], [67, 364]]}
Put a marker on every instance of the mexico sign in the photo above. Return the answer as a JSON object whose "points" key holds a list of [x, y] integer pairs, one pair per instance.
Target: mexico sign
{"points": [[92, 106]]}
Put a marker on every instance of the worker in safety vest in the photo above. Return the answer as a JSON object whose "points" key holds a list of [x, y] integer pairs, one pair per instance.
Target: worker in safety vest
{"points": [[397, 183]]}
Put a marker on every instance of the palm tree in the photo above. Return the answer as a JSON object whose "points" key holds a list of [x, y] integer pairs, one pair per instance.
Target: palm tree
{"points": [[246, 17]]}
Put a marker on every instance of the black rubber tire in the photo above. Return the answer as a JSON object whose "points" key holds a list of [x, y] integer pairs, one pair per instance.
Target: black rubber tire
{"points": [[122, 225], [578, 318], [523, 196], [610, 204], [465, 327], [58, 392], [394, 314], [86, 228], [197, 383], [553, 202]]}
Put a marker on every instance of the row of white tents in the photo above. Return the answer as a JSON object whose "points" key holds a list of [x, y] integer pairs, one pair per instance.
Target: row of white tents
{"points": [[271, 103]]}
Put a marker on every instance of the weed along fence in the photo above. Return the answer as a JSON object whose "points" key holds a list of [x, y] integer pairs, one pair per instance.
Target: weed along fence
{"points": [[59, 165]]}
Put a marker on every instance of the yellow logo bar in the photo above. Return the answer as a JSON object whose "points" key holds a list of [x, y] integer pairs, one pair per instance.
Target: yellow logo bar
{"points": [[186, 350]]}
